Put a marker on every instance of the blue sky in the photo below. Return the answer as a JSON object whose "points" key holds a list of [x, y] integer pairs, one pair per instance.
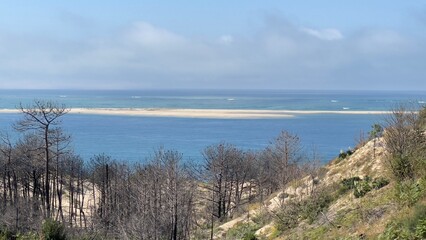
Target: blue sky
{"points": [[213, 44]]}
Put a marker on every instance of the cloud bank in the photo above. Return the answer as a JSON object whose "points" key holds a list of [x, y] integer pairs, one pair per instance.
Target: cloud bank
{"points": [[279, 54]]}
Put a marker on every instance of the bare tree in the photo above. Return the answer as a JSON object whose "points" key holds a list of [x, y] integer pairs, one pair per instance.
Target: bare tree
{"points": [[43, 118], [285, 154]]}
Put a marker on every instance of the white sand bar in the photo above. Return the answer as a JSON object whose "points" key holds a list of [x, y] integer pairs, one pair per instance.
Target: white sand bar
{"points": [[203, 113], [209, 113]]}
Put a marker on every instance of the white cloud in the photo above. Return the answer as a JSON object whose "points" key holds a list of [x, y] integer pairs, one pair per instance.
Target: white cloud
{"points": [[145, 34], [329, 34], [277, 55]]}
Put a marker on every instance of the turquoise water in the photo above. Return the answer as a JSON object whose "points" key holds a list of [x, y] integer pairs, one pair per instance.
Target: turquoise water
{"points": [[216, 99], [134, 138]]}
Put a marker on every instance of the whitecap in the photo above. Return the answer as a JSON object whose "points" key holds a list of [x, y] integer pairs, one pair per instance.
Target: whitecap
{"points": [[135, 97], [231, 99], [421, 102], [334, 101], [346, 108], [62, 96]]}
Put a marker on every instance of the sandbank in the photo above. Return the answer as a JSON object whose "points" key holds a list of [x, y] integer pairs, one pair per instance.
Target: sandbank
{"points": [[210, 113], [205, 113]]}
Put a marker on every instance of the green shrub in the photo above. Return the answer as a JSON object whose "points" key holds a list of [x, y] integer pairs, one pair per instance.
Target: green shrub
{"points": [[348, 184], [419, 214], [288, 216], [379, 183], [407, 193], [395, 231], [421, 229], [250, 236], [402, 168], [244, 231], [362, 188], [412, 226], [6, 234], [343, 155], [53, 230], [313, 206], [28, 236]]}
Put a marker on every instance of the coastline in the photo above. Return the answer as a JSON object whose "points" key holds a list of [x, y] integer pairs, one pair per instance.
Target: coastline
{"points": [[207, 113]]}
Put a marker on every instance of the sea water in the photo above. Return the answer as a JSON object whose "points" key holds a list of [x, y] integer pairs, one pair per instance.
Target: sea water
{"points": [[134, 139]]}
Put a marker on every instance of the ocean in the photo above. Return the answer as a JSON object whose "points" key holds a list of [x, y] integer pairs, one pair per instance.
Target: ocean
{"points": [[133, 138]]}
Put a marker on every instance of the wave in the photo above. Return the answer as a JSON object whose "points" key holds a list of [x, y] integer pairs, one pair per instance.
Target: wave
{"points": [[135, 97], [334, 101]]}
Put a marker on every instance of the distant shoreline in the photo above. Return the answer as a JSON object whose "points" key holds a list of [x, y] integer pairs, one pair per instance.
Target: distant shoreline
{"points": [[206, 113]]}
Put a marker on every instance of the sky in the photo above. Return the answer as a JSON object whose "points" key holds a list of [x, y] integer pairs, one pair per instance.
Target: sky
{"points": [[189, 44]]}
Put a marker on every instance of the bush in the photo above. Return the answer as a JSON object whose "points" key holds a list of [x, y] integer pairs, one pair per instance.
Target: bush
{"points": [[362, 188], [395, 231], [250, 236], [244, 231], [412, 226], [343, 155], [421, 229], [379, 183], [6, 234], [53, 230], [348, 184], [408, 193], [288, 217], [418, 215], [313, 206]]}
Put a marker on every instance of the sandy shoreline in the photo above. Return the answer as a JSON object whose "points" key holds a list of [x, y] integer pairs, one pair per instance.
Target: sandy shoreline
{"points": [[203, 113]]}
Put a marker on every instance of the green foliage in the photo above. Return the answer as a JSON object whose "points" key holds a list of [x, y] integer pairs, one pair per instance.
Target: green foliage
{"points": [[419, 214], [421, 229], [402, 167], [348, 184], [361, 186], [407, 193], [412, 226], [379, 183], [262, 218], [244, 231], [376, 131], [307, 209], [28, 236], [53, 230], [343, 155], [395, 231], [6, 234], [288, 216], [313, 206], [316, 233]]}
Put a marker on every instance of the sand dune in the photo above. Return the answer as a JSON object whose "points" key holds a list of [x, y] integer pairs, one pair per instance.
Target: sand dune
{"points": [[204, 113]]}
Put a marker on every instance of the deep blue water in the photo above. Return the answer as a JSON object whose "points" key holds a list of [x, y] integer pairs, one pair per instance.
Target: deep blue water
{"points": [[135, 138]]}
